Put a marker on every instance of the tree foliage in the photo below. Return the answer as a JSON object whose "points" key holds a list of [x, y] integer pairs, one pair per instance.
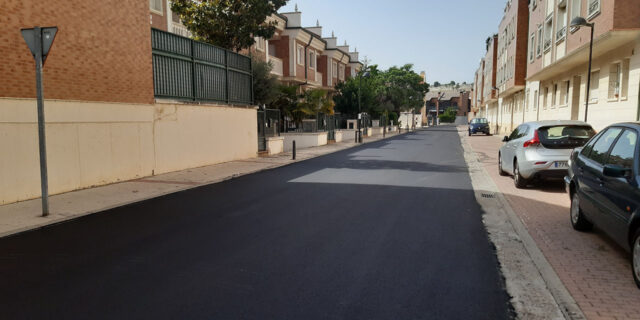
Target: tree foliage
{"points": [[266, 86], [394, 90], [230, 24], [449, 115]]}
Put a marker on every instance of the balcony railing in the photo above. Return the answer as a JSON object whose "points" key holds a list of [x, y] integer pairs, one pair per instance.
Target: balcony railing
{"points": [[179, 29], [594, 8], [561, 34], [277, 65], [547, 44]]}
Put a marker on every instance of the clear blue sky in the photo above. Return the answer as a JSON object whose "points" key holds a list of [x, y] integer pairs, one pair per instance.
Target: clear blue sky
{"points": [[444, 38]]}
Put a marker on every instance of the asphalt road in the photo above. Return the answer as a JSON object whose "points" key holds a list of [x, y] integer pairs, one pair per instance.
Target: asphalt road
{"points": [[388, 230]]}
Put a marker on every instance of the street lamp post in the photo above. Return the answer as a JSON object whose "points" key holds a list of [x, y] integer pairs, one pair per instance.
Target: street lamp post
{"points": [[365, 74], [578, 22], [499, 113]]}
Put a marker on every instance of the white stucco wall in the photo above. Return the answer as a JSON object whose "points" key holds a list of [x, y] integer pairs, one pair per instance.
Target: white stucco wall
{"points": [[92, 143]]}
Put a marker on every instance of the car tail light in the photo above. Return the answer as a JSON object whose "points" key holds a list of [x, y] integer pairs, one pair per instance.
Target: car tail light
{"points": [[533, 142], [541, 162]]}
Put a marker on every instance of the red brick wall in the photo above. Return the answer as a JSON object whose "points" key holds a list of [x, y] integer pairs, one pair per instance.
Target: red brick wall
{"points": [[322, 68], [626, 14], [299, 68], [102, 51], [282, 52], [160, 21]]}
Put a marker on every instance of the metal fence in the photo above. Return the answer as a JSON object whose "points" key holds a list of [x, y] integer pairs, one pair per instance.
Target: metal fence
{"points": [[190, 70], [268, 126]]}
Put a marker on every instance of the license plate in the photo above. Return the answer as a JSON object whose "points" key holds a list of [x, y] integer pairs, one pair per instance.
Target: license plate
{"points": [[561, 164]]}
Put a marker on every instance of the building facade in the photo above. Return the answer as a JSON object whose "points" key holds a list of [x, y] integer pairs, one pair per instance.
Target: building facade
{"points": [[542, 73]]}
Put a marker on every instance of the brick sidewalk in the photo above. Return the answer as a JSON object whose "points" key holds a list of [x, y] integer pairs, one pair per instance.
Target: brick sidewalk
{"points": [[595, 271]]}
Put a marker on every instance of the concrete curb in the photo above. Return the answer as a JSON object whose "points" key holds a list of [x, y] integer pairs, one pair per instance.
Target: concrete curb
{"points": [[69, 217], [536, 290]]}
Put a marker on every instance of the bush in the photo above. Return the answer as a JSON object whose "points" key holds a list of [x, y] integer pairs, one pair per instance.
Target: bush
{"points": [[449, 116]]}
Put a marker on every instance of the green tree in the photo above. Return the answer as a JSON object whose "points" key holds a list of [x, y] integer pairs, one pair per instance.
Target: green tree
{"points": [[437, 84], [314, 101], [403, 89], [346, 97], [285, 100], [452, 83], [448, 116], [230, 24], [266, 86]]}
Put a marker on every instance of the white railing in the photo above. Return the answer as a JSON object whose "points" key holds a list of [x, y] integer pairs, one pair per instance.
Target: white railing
{"points": [[179, 29], [277, 65]]}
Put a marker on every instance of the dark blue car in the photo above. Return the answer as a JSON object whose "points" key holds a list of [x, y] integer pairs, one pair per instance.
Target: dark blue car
{"points": [[479, 125], [604, 185]]}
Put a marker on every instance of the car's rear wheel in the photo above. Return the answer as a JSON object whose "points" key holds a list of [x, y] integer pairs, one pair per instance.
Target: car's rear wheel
{"points": [[518, 180], [500, 171], [578, 221], [635, 257]]}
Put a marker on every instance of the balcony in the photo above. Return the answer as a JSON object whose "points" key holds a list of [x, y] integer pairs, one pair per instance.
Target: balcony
{"points": [[179, 29], [547, 45], [318, 80], [561, 34], [276, 63]]}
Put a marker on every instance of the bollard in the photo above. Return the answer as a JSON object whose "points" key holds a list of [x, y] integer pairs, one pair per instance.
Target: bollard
{"points": [[294, 149]]}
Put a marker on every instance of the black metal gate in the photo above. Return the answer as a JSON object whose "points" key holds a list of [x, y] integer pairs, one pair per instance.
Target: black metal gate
{"points": [[268, 126]]}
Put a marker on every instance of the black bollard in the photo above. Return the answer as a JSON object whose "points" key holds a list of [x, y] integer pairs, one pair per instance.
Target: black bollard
{"points": [[294, 149]]}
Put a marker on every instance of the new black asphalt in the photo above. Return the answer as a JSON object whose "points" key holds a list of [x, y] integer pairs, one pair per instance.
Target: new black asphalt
{"points": [[387, 230]]}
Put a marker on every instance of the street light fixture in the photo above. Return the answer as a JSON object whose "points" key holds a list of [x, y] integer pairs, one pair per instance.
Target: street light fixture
{"points": [[576, 24], [365, 74]]}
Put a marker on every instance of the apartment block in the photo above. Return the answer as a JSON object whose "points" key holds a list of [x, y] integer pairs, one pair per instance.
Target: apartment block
{"points": [[558, 59], [488, 95], [511, 64]]}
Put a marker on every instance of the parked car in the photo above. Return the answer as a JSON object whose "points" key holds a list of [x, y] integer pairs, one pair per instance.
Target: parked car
{"points": [[541, 150], [479, 125], [603, 183]]}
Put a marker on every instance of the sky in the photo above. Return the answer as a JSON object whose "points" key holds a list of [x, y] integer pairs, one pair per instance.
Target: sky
{"points": [[444, 38]]}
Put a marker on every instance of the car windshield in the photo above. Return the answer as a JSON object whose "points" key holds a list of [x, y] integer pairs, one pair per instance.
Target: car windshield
{"points": [[478, 121], [565, 136]]}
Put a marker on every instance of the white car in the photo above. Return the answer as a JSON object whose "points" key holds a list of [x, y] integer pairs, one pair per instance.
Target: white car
{"points": [[541, 149]]}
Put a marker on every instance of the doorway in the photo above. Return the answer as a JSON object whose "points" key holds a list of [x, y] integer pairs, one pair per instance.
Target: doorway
{"points": [[575, 99]]}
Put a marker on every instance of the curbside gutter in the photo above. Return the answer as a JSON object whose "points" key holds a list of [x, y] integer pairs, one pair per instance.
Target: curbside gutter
{"points": [[536, 290]]}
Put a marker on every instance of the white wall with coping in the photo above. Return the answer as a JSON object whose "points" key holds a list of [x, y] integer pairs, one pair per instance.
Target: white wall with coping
{"points": [[97, 143], [345, 135], [304, 140], [275, 145]]}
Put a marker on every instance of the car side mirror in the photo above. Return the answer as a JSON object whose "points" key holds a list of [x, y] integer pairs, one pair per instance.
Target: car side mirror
{"points": [[615, 171], [505, 139]]}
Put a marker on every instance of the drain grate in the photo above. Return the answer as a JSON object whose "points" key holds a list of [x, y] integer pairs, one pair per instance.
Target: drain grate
{"points": [[488, 195]]}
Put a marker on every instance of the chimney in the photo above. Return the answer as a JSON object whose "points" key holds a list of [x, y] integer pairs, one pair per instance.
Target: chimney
{"points": [[317, 30], [332, 42], [294, 19]]}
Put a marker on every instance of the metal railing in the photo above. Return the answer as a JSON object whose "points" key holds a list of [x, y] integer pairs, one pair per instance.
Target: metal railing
{"points": [[547, 44], [185, 69], [561, 34], [180, 30]]}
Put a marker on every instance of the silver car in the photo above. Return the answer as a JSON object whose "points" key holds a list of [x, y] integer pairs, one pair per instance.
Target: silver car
{"points": [[541, 149]]}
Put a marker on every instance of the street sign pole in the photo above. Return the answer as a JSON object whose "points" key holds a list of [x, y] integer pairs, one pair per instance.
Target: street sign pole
{"points": [[44, 182], [39, 40]]}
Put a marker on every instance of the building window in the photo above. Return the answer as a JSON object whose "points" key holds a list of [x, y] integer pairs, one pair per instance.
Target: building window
{"points": [[539, 46], [594, 8], [260, 43], [156, 6], [532, 44], [615, 73], [576, 10], [544, 98], [536, 100], [312, 59], [534, 4], [526, 103], [300, 55], [548, 33], [595, 85], [561, 25], [565, 97], [334, 70], [341, 74], [554, 95], [625, 79]]}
